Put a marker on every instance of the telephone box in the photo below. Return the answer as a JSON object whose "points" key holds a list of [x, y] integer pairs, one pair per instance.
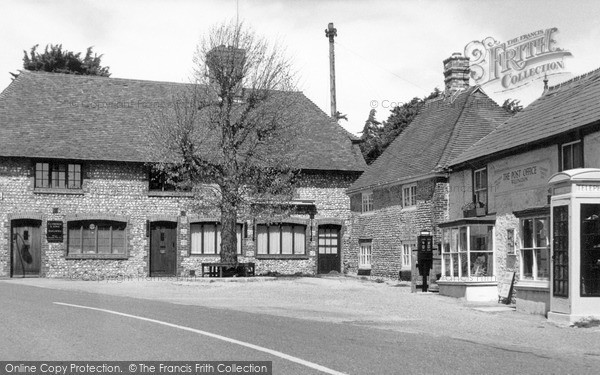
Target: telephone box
{"points": [[575, 245]]}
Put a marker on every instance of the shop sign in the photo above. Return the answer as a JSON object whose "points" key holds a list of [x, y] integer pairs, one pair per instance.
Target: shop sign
{"points": [[525, 176], [54, 231]]}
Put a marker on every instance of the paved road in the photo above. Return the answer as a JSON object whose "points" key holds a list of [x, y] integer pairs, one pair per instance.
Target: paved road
{"points": [[34, 327]]}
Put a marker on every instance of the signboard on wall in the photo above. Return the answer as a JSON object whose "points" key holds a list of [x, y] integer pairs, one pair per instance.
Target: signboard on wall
{"points": [[524, 176], [54, 231]]}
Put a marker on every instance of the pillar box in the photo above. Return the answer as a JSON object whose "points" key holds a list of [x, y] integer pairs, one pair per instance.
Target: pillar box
{"points": [[575, 245]]}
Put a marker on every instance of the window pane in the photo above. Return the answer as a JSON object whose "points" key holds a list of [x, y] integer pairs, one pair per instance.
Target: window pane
{"points": [[541, 232], [59, 176], [543, 263], [89, 239], [464, 266], [104, 240], [210, 236], [447, 265], [462, 244], [287, 239], [300, 239], [239, 228], [446, 241], [482, 264], [528, 233], [41, 175], [527, 259], [119, 239], [74, 240], [218, 238], [567, 156], [261, 239], [274, 239], [196, 238], [481, 237], [74, 176], [577, 155], [455, 264]]}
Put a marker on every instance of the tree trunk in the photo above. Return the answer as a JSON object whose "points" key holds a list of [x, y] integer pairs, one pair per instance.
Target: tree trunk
{"points": [[228, 233]]}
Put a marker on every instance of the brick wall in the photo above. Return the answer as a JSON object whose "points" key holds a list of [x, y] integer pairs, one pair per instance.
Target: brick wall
{"points": [[121, 190]]}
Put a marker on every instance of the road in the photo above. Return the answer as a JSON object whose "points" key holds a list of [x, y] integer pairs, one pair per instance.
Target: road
{"points": [[47, 324]]}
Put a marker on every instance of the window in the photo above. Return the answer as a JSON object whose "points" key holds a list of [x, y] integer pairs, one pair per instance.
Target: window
{"points": [[101, 237], [468, 253], [281, 239], [480, 187], [206, 238], [590, 250], [365, 255], [409, 195], [535, 250], [407, 255], [571, 155], [57, 175], [367, 202]]}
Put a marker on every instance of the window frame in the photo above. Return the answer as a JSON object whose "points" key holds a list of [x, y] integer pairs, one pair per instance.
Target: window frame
{"points": [[406, 258], [458, 251], [365, 255], [482, 189], [561, 148], [47, 175], [97, 224], [409, 195], [217, 241], [367, 201], [281, 254], [534, 249]]}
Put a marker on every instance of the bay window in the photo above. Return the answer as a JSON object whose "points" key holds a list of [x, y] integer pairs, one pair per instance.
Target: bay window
{"points": [[468, 253]]}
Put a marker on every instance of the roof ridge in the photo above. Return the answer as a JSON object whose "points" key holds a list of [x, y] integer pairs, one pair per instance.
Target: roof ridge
{"points": [[574, 79]]}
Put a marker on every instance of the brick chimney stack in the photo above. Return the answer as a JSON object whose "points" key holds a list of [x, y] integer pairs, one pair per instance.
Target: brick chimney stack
{"points": [[225, 63], [456, 73]]}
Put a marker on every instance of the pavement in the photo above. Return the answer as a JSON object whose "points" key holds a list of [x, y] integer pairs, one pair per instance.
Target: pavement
{"points": [[354, 301]]}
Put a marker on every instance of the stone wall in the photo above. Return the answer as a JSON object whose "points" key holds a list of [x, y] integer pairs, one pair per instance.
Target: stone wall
{"points": [[390, 226], [120, 190]]}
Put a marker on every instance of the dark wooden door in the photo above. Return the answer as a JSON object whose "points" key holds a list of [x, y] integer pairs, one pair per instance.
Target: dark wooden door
{"points": [[163, 249], [329, 249], [26, 248]]}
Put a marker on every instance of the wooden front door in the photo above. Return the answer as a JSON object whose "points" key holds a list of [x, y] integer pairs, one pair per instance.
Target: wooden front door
{"points": [[26, 248], [163, 249], [329, 248]]}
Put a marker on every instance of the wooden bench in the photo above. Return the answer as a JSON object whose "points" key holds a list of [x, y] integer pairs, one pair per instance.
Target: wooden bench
{"points": [[216, 269]]}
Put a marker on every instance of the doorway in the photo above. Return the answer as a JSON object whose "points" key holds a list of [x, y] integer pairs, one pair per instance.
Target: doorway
{"points": [[329, 248], [163, 248], [26, 248]]}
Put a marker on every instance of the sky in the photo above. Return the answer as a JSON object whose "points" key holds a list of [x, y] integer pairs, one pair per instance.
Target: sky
{"points": [[386, 52]]}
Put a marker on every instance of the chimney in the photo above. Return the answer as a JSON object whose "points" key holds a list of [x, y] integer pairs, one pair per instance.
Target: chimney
{"points": [[226, 63], [456, 73]]}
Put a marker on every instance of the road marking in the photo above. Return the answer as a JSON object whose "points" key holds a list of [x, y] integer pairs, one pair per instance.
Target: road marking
{"points": [[219, 337]]}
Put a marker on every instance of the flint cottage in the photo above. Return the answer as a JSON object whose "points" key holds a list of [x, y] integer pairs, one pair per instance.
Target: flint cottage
{"points": [[78, 197]]}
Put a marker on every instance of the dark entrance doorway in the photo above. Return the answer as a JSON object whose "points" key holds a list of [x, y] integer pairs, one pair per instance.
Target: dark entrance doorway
{"points": [[26, 248], [163, 248], [329, 248]]}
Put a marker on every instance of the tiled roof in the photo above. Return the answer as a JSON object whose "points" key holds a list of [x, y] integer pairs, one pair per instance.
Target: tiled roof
{"points": [[441, 131], [562, 108], [63, 116]]}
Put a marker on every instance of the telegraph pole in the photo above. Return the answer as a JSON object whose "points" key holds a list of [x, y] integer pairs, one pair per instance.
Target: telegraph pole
{"points": [[331, 33]]}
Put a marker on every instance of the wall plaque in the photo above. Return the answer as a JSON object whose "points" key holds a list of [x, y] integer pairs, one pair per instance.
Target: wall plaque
{"points": [[54, 231]]}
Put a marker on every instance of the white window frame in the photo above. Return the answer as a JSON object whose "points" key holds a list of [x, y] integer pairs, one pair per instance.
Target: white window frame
{"points": [[367, 201], [365, 255], [456, 244], [407, 249], [535, 250], [409, 195], [481, 189]]}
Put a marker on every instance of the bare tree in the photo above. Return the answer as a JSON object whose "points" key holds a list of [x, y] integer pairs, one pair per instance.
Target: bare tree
{"points": [[228, 135]]}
